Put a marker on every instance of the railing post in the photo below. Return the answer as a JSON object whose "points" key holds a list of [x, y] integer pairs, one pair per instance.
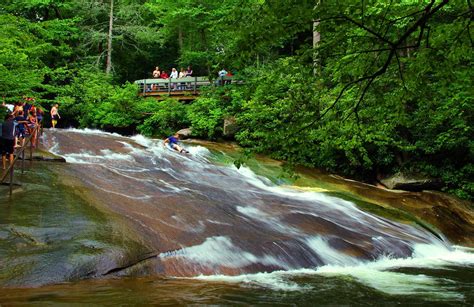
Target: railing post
{"points": [[31, 152], [195, 84], [144, 87], [22, 160], [11, 180], [169, 86], [37, 136]]}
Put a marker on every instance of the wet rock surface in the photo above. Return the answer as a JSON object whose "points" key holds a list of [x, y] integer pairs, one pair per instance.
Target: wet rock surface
{"points": [[126, 206], [49, 234], [217, 219]]}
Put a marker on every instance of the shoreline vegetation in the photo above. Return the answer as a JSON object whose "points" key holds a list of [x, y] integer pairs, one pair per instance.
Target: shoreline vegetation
{"points": [[364, 90]]}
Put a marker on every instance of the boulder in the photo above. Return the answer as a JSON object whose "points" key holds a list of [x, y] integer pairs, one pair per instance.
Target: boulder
{"points": [[185, 133], [230, 126], [411, 182]]}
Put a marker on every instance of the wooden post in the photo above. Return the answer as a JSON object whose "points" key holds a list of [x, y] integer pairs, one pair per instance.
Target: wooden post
{"points": [[144, 87], [11, 180], [22, 160], [169, 86], [31, 152], [195, 84]]}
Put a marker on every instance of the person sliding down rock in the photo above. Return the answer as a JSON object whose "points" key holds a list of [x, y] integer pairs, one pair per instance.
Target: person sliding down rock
{"points": [[173, 143]]}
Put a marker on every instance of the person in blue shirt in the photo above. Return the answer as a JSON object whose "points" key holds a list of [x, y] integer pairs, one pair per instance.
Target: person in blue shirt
{"points": [[173, 142]]}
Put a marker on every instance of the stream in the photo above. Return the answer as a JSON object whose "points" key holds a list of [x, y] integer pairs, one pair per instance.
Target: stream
{"points": [[127, 221]]}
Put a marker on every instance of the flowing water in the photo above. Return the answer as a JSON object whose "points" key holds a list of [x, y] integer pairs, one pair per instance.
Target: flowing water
{"points": [[129, 221]]}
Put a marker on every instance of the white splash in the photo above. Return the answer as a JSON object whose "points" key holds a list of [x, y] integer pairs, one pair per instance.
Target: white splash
{"points": [[142, 140], [91, 131], [375, 274], [272, 221], [110, 155], [220, 251], [328, 254]]}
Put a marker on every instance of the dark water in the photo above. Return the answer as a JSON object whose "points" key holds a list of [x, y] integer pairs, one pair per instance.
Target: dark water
{"points": [[453, 288], [68, 232]]}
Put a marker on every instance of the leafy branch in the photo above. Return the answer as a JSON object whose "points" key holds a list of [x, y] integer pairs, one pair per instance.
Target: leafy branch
{"points": [[392, 47]]}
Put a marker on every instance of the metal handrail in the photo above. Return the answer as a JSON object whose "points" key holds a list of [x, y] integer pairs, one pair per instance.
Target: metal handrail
{"points": [[21, 151]]}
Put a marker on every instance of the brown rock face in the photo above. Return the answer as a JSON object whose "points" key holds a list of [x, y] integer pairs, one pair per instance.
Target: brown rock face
{"points": [[201, 218]]}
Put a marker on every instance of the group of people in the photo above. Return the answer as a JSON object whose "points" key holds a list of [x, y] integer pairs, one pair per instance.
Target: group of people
{"points": [[23, 119], [162, 74], [221, 74]]}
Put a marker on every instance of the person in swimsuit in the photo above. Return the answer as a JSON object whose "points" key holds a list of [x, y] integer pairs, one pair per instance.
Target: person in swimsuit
{"points": [[20, 132], [8, 139], [156, 72], [55, 115], [173, 142]]}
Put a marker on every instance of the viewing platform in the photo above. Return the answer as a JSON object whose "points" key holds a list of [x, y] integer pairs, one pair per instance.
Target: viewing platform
{"points": [[182, 89]]}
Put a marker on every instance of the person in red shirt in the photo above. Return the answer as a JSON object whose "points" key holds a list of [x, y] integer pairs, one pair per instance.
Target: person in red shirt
{"points": [[164, 75]]}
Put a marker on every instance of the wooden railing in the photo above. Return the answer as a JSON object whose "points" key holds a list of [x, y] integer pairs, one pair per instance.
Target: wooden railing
{"points": [[171, 86], [21, 152]]}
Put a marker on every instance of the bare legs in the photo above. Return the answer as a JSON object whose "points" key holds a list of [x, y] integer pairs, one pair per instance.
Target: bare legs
{"points": [[4, 160]]}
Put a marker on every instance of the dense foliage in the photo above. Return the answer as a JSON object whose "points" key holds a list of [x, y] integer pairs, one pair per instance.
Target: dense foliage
{"points": [[362, 88]]}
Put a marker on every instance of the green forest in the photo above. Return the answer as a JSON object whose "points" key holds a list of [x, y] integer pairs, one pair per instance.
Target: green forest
{"points": [[361, 88]]}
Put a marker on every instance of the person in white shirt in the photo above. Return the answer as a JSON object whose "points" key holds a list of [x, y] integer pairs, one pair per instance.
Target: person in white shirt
{"points": [[221, 74], [174, 75]]}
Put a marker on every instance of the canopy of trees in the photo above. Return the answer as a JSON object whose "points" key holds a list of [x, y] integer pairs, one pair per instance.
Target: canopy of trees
{"points": [[360, 87]]}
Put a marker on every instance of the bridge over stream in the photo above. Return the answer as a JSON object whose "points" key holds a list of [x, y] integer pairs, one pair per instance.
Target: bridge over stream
{"points": [[185, 89]]}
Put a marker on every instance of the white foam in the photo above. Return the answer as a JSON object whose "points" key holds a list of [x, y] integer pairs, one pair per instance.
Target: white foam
{"points": [[91, 131], [218, 222], [142, 140], [275, 281], [265, 184], [272, 221], [375, 274], [253, 212], [90, 158], [109, 155], [141, 197], [220, 251], [172, 188], [328, 254], [198, 151]]}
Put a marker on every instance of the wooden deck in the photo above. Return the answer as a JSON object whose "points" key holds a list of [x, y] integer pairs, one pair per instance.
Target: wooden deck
{"points": [[185, 89]]}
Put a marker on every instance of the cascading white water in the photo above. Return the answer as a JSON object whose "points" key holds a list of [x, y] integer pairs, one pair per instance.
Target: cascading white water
{"points": [[217, 220]]}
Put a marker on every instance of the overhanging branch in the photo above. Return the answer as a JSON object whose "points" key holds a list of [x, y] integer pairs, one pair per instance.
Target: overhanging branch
{"points": [[429, 11]]}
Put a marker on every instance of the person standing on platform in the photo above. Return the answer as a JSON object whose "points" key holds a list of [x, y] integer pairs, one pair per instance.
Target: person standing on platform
{"points": [[182, 74], [156, 72], [174, 75], [164, 75], [189, 72]]}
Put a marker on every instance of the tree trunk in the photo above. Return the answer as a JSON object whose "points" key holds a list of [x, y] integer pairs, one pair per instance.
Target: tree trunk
{"points": [[108, 67], [316, 40], [180, 40]]}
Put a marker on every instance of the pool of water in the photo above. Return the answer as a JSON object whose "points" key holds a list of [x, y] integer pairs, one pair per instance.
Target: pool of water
{"points": [[452, 286]]}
